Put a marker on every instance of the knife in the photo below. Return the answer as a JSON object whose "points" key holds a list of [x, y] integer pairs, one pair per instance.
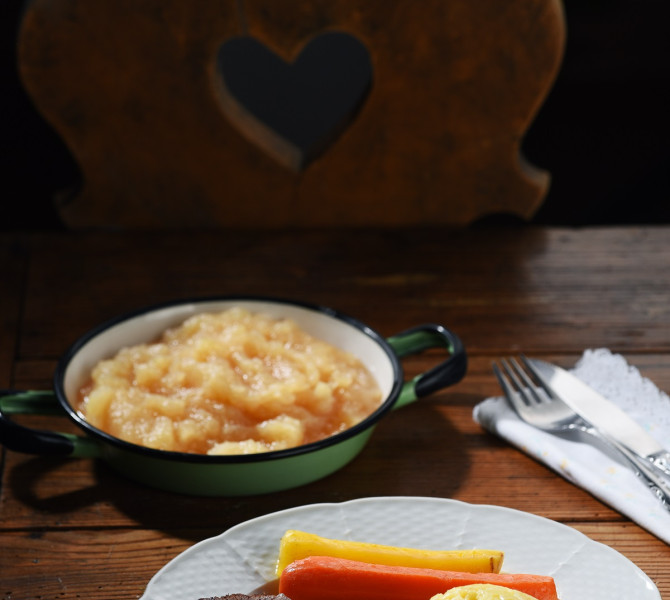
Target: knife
{"points": [[603, 414]]}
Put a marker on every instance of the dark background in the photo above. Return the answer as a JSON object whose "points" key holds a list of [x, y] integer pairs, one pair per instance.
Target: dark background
{"points": [[602, 132]]}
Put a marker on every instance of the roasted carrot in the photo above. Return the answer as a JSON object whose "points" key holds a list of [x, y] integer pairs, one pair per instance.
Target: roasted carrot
{"points": [[328, 578]]}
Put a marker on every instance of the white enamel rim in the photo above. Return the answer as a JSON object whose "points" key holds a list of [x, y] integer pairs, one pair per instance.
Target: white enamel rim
{"points": [[149, 323]]}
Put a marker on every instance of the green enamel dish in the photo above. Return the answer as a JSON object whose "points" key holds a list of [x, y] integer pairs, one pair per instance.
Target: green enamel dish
{"points": [[230, 475]]}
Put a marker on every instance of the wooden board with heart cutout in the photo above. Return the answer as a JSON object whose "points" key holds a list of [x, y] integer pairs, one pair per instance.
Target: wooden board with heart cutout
{"points": [[293, 113]]}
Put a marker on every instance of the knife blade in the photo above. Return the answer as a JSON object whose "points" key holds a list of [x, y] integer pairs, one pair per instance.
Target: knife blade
{"points": [[602, 413]]}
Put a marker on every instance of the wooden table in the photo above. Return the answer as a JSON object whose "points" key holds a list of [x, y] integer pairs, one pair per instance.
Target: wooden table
{"points": [[74, 528]]}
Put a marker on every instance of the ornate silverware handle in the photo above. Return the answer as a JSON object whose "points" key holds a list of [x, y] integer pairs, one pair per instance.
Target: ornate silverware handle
{"points": [[661, 460], [659, 484]]}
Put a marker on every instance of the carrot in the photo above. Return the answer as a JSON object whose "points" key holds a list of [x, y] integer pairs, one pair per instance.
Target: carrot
{"points": [[295, 545], [328, 578]]}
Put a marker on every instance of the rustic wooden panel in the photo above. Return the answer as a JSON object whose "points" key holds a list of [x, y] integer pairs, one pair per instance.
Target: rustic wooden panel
{"points": [[110, 564], [135, 93], [13, 261], [75, 527], [543, 291]]}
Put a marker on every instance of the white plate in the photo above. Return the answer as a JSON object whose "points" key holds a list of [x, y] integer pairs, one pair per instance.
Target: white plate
{"points": [[243, 557]]}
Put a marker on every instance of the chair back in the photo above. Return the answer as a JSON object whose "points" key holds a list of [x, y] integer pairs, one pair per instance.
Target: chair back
{"points": [[293, 113]]}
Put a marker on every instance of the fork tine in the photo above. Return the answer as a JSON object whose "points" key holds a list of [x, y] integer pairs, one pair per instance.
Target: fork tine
{"points": [[510, 390], [519, 386], [502, 380], [528, 384], [544, 384]]}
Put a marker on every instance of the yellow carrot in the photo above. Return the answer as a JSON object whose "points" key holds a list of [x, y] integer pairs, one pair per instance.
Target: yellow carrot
{"points": [[295, 545]]}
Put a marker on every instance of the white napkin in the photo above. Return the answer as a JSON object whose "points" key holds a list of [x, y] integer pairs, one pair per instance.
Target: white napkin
{"points": [[591, 468]]}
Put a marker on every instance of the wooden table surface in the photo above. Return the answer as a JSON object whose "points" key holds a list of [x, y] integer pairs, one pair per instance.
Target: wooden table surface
{"points": [[74, 528]]}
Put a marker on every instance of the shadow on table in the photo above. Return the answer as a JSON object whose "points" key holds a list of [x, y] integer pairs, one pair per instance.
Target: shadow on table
{"points": [[388, 466]]}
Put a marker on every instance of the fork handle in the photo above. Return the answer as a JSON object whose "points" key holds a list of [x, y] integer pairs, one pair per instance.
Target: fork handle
{"points": [[644, 469]]}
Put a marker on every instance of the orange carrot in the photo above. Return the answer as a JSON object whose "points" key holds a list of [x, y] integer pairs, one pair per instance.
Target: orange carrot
{"points": [[327, 578]]}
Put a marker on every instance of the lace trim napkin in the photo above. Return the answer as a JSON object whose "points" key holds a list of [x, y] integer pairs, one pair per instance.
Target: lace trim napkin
{"points": [[590, 467]]}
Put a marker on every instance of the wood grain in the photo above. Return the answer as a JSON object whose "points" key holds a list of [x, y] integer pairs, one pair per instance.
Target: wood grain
{"points": [[13, 260], [75, 527], [549, 290]]}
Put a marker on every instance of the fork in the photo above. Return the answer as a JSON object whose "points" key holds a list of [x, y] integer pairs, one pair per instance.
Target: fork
{"points": [[538, 405]]}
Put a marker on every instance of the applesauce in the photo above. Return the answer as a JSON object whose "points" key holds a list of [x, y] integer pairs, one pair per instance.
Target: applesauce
{"points": [[233, 382]]}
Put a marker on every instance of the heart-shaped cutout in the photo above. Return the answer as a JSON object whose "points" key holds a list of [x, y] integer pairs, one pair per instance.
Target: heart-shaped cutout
{"points": [[294, 111]]}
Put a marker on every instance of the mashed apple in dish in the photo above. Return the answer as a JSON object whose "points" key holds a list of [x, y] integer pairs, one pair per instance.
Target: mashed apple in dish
{"points": [[233, 382]]}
